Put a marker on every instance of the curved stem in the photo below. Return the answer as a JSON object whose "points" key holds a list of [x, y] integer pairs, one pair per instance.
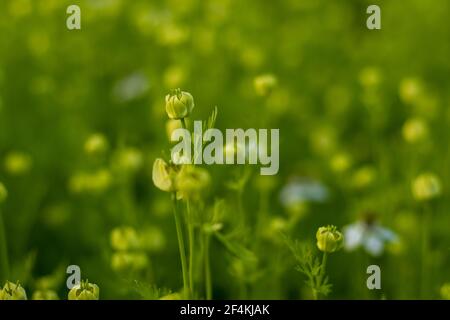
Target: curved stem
{"points": [[181, 245], [191, 245], [208, 281], [4, 262]]}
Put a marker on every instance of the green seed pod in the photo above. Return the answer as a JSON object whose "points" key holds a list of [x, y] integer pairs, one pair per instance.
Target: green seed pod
{"points": [[13, 291], [329, 239], [163, 175], [84, 291], [179, 104], [44, 295], [124, 238], [3, 193]]}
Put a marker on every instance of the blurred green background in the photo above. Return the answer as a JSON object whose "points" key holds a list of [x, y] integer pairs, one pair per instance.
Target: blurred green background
{"points": [[361, 114]]}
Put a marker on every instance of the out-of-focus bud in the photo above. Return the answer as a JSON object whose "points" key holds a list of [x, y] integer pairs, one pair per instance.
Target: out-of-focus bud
{"points": [[410, 90], [340, 162], [163, 175], [3, 193], [129, 261], [172, 296], [124, 238], [264, 84], [191, 181], [152, 239], [17, 163], [129, 159], [96, 144], [445, 291], [13, 291], [84, 291], [425, 187], [369, 77], [415, 130], [329, 239], [363, 177], [179, 104], [44, 295]]}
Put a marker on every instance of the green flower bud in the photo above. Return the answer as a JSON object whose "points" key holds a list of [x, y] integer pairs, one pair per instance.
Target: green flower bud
{"points": [[45, 295], [426, 187], [96, 144], [13, 291], [124, 238], [415, 130], [329, 239], [445, 291], [17, 163], [264, 84], [163, 175], [3, 193], [129, 261], [179, 104], [128, 160], [84, 291], [191, 181]]}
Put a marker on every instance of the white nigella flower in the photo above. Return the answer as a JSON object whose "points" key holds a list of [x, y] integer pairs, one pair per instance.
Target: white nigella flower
{"points": [[369, 235], [131, 87], [303, 190]]}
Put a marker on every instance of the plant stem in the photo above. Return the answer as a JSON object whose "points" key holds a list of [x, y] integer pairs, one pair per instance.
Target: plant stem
{"points": [[181, 245], [208, 281], [191, 245], [183, 123], [321, 274], [4, 263]]}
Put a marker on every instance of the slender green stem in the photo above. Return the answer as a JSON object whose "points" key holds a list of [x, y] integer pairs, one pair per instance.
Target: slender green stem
{"points": [[323, 267], [191, 245], [208, 280], [4, 262], [183, 123], [181, 245]]}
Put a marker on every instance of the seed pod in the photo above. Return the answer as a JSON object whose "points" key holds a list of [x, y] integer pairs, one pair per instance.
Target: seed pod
{"points": [[179, 104], [13, 291], [329, 239], [84, 291]]}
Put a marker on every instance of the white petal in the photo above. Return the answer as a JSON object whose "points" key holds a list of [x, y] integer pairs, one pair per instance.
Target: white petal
{"points": [[353, 236], [373, 244]]}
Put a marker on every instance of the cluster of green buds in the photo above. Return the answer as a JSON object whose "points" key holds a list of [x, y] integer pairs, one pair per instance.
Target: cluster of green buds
{"points": [[13, 291], [426, 187], [128, 255], [84, 291], [179, 104], [329, 239]]}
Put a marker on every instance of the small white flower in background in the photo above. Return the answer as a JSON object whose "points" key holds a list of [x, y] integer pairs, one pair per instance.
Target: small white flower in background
{"points": [[369, 235], [131, 87], [302, 190]]}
